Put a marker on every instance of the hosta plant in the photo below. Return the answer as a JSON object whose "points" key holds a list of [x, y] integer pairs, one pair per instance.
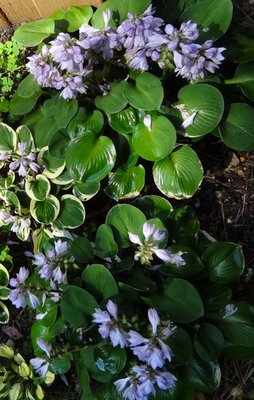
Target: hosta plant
{"points": [[143, 308], [120, 84]]}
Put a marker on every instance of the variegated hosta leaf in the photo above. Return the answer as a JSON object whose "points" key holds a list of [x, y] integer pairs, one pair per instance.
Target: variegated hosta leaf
{"points": [[4, 316], [4, 276], [45, 211], [37, 187], [72, 212], [125, 184], [8, 138]]}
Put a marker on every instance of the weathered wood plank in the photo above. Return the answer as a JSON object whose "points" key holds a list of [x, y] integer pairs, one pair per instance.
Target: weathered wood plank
{"points": [[18, 11], [4, 23], [47, 7]]}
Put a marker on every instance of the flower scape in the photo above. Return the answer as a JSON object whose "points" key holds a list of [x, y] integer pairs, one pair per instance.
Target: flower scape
{"points": [[107, 290]]}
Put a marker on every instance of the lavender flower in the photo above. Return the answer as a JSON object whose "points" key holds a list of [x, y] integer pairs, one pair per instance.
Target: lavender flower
{"points": [[187, 33], [21, 293], [194, 61], [103, 40], [40, 66], [72, 85], [142, 38], [140, 384], [149, 247], [24, 162], [110, 326], [53, 266], [65, 51], [154, 351], [40, 365], [6, 218]]}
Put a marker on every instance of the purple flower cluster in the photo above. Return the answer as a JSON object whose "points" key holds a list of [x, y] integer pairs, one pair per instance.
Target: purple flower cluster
{"points": [[152, 350], [140, 36], [22, 293], [140, 384], [67, 63], [149, 246], [53, 266]]}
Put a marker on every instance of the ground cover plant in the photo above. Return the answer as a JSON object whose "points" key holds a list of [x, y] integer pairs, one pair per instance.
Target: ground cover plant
{"points": [[134, 300]]}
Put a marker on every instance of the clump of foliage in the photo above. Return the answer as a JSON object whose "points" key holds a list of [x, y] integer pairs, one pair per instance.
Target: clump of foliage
{"points": [[12, 70], [145, 306]]}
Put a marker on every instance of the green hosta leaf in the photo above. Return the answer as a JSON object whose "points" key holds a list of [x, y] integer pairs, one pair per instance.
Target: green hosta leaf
{"points": [[180, 174], [217, 296], [236, 129], [203, 376], [125, 184], [37, 187], [124, 121], [80, 301], [45, 211], [155, 140], [168, 14], [124, 218], [238, 326], [4, 276], [244, 77], [147, 93], [206, 103], [44, 130], [4, 313], [208, 342], [123, 8], [183, 225], [99, 279], [81, 249], [60, 365], [8, 138], [72, 212], [171, 301], [58, 144], [115, 101], [110, 359], [64, 111], [77, 16], [213, 16], [21, 105], [225, 262], [236, 352], [153, 206], [105, 242], [90, 158], [33, 33], [28, 87], [94, 122], [240, 47], [181, 345], [193, 265]]}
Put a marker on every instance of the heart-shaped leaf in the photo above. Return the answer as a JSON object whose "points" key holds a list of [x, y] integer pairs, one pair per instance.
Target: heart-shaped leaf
{"points": [[77, 16], [213, 16], [208, 342], [37, 187], [45, 211], [33, 33], [147, 92], [154, 138], [99, 279], [237, 128], [244, 77], [124, 218], [205, 103], [72, 212], [114, 101], [125, 184], [225, 262], [180, 174], [90, 158]]}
